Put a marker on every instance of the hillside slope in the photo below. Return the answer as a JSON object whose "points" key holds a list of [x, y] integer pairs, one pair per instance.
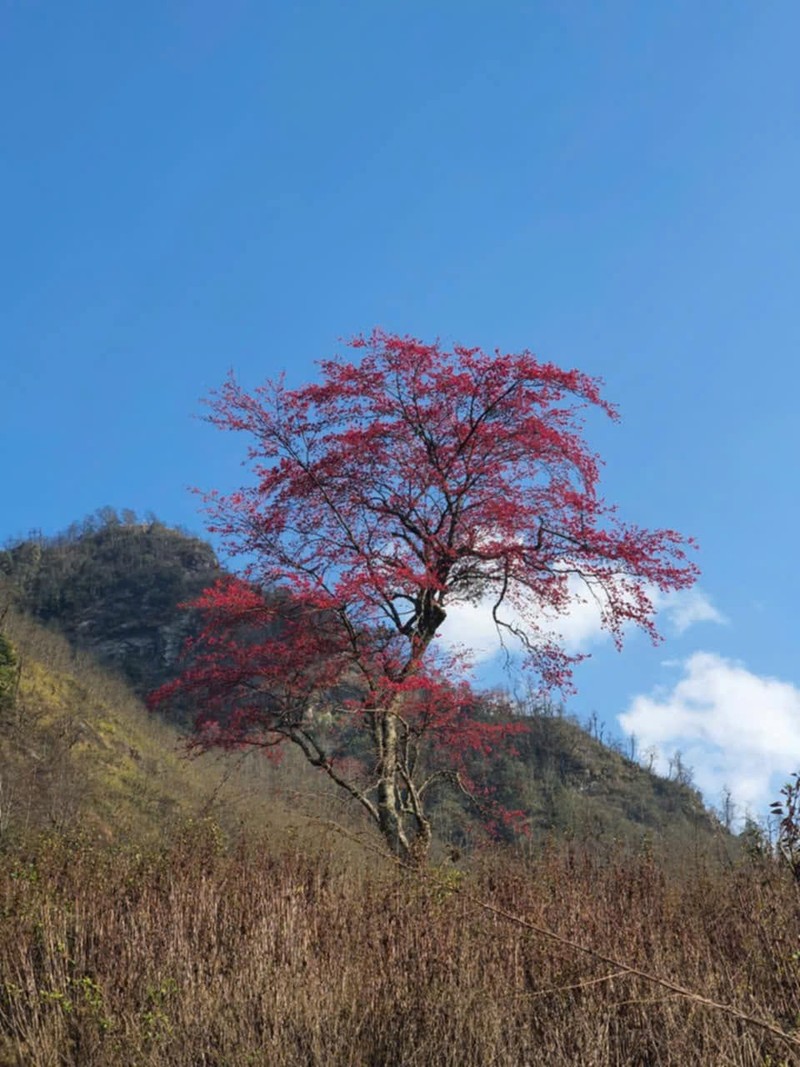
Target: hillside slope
{"points": [[114, 591], [79, 751]]}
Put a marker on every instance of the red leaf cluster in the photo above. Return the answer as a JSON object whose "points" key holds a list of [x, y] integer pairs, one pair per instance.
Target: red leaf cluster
{"points": [[397, 486]]}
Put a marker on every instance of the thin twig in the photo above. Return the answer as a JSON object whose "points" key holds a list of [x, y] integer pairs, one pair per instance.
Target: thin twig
{"points": [[578, 985]]}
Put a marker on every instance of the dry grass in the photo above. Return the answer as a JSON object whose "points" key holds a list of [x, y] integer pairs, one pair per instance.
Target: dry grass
{"points": [[276, 954]]}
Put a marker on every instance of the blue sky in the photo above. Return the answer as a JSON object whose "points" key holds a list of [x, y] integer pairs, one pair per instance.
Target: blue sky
{"points": [[188, 187]]}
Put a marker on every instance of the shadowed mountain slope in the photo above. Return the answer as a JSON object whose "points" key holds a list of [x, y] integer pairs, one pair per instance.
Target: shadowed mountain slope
{"points": [[114, 589]]}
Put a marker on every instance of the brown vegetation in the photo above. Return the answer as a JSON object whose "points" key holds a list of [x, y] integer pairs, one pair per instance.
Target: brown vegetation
{"points": [[284, 953], [136, 931]]}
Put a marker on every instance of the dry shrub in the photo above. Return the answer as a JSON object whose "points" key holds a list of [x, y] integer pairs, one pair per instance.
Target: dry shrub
{"points": [[262, 952]]}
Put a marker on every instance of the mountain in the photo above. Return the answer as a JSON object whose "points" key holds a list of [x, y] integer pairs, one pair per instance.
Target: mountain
{"points": [[107, 593], [113, 589]]}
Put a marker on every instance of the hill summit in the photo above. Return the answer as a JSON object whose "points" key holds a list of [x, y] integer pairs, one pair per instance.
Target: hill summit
{"points": [[113, 588]]}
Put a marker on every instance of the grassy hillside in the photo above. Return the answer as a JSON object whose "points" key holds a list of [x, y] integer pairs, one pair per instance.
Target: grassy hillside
{"points": [[571, 784], [78, 750]]}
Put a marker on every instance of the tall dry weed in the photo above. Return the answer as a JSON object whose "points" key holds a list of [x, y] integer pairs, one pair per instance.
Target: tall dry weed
{"points": [[203, 953]]}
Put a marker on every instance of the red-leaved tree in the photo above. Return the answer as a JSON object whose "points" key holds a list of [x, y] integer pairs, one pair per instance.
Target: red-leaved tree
{"points": [[404, 483]]}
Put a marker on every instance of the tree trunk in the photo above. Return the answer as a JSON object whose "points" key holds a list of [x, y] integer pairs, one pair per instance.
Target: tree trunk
{"points": [[410, 843], [390, 817]]}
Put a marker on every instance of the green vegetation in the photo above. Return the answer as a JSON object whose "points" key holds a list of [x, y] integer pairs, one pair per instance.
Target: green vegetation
{"points": [[8, 674]]}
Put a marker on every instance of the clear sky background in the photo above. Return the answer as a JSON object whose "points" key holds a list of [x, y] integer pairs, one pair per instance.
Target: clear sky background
{"points": [[192, 186]]}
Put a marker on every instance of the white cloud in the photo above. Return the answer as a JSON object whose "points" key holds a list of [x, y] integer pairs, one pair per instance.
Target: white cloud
{"points": [[685, 608], [472, 627], [577, 629], [733, 727]]}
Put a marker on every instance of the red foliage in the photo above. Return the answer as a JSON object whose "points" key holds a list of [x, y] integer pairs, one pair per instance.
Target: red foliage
{"points": [[395, 488]]}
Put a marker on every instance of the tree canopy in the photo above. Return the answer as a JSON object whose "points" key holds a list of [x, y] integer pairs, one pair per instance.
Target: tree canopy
{"points": [[397, 486]]}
